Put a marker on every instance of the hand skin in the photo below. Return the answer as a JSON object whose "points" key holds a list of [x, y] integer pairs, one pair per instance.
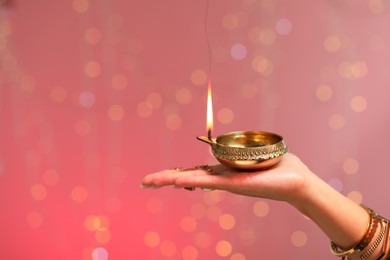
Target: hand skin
{"points": [[342, 220]]}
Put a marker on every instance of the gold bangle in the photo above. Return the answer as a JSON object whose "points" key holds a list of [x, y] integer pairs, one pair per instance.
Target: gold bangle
{"points": [[363, 241], [378, 240], [384, 244]]}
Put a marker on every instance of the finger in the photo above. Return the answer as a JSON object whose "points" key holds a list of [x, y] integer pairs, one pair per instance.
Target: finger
{"points": [[169, 177], [219, 178]]}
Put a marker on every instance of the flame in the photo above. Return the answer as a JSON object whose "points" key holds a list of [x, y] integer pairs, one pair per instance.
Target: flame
{"points": [[209, 110]]}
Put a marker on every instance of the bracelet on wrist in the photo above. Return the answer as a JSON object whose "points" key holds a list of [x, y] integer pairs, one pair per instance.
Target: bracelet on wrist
{"points": [[365, 239]]}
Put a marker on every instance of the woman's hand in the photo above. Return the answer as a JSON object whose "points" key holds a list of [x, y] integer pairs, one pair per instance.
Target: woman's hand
{"points": [[287, 181]]}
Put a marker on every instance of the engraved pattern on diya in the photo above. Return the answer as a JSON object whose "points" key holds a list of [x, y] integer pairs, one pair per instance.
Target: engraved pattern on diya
{"points": [[247, 150]]}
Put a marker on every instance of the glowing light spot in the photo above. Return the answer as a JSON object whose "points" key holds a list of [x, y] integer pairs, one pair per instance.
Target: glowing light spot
{"points": [[376, 6], [87, 99], [82, 127], [377, 43], [28, 83], [152, 239], [79, 194], [213, 213], [5, 28], [103, 236], [116, 112], [99, 253], [249, 90], [188, 224], [58, 94], [227, 221], [168, 248], [199, 77], [262, 65], [198, 211], [223, 248], [213, 198], [238, 51], [324, 93], [189, 253], [359, 69], [230, 22], [260, 208], [155, 100], [173, 122], [351, 166], [93, 36], [104, 222], [93, 69], [359, 104], [9, 62], [355, 196], [247, 235], [144, 109], [237, 256], [337, 121], [183, 96], [155, 205], [336, 184], [203, 240], [38, 191], [80, 6], [283, 26], [298, 238], [225, 116], [119, 81], [353, 70], [92, 223], [34, 219], [345, 70], [332, 44], [263, 36], [51, 177], [329, 73]]}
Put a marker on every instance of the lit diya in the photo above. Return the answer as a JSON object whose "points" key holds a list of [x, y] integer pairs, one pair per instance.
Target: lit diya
{"points": [[243, 150]]}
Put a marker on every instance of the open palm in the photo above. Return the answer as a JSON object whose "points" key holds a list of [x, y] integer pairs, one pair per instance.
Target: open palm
{"points": [[285, 181]]}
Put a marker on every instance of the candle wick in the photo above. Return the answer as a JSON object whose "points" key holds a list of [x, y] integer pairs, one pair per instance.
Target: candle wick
{"points": [[209, 134]]}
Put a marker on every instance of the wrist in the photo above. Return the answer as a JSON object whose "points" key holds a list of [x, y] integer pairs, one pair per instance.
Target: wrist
{"points": [[341, 219]]}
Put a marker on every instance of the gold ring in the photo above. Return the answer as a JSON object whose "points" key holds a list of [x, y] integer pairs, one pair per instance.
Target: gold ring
{"points": [[204, 167], [175, 168], [206, 189]]}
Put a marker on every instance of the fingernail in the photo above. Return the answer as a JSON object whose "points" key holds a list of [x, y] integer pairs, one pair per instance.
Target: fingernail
{"points": [[148, 186], [145, 186]]}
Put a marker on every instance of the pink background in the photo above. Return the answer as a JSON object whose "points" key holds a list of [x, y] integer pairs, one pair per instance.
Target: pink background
{"points": [[95, 94]]}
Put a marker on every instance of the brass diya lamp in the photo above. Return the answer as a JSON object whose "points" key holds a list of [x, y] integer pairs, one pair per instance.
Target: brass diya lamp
{"points": [[244, 150], [247, 150]]}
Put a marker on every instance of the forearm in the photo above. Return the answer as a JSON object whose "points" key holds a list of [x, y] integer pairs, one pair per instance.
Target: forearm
{"points": [[342, 220]]}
